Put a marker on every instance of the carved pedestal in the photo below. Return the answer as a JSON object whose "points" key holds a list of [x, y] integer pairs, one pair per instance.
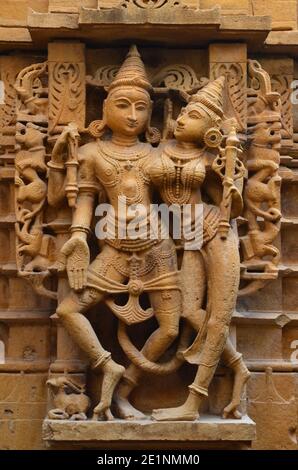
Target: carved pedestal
{"points": [[209, 433]]}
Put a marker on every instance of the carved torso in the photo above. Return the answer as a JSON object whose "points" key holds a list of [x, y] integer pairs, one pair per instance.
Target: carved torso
{"points": [[178, 174], [120, 171], [120, 175], [123, 172]]}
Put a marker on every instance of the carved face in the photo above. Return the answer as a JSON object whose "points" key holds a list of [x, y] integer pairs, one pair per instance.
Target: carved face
{"points": [[127, 111], [192, 124], [266, 133], [29, 136]]}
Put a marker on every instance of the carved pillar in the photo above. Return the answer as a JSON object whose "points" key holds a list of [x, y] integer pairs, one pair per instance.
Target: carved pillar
{"points": [[66, 104], [230, 60]]}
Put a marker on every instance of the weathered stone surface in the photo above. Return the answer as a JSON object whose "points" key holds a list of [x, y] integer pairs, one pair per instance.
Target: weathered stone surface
{"points": [[61, 63], [283, 13], [22, 408], [70, 6], [51, 21], [15, 35], [229, 7], [207, 429]]}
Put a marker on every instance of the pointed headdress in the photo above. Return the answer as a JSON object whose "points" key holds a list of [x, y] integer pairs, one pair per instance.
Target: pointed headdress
{"points": [[132, 72], [210, 98]]}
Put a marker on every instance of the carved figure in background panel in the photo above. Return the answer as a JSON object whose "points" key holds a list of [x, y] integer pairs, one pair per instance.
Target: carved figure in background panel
{"points": [[262, 190], [31, 189], [179, 174], [117, 168], [32, 95], [35, 249]]}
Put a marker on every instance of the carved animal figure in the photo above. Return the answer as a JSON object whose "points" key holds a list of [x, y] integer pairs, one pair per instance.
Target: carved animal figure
{"points": [[30, 165], [70, 399], [263, 185], [258, 243], [30, 240]]}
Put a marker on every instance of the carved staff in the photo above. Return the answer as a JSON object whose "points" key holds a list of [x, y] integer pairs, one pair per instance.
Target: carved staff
{"points": [[72, 164], [230, 168]]}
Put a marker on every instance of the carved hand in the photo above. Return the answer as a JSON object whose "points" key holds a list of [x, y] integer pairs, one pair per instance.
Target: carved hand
{"points": [[77, 255], [70, 132]]}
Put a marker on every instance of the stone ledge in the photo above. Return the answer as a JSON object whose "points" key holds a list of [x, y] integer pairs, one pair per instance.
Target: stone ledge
{"points": [[282, 38], [246, 23], [174, 16], [52, 20], [13, 36], [208, 428]]}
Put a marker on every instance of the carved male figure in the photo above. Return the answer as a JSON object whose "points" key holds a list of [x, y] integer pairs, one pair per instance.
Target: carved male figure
{"points": [[117, 168]]}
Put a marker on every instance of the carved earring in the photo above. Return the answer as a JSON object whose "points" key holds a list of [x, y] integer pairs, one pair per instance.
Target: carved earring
{"points": [[213, 137], [97, 128], [152, 135]]}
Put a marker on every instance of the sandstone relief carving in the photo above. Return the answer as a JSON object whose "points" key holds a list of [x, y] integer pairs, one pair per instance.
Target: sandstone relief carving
{"points": [[192, 156], [69, 398], [262, 191]]}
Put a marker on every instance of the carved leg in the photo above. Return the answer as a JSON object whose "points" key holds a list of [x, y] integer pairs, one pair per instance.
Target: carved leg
{"points": [[194, 285], [155, 346], [223, 282], [80, 329], [193, 280], [234, 360]]}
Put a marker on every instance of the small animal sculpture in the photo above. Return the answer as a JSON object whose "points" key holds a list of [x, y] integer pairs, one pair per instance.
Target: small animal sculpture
{"points": [[30, 166], [69, 399]]}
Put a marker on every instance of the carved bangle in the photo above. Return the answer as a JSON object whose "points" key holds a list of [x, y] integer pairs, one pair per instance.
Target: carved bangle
{"points": [[198, 390], [56, 166], [80, 228], [101, 361]]}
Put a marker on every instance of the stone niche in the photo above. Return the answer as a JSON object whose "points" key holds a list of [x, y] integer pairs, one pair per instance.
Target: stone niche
{"points": [[65, 82]]}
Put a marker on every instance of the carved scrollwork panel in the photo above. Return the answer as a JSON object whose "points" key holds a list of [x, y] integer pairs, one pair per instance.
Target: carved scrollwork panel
{"points": [[282, 85], [31, 93], [236, 90], [66, 86], [8, 108], [144, 4]]}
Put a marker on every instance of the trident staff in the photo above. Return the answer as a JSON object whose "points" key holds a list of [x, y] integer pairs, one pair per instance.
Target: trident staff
{"points": [[230, 168]]}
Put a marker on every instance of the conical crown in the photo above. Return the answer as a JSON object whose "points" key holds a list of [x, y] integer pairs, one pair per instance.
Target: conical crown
{"points": [[211, 97], [132, 72]]}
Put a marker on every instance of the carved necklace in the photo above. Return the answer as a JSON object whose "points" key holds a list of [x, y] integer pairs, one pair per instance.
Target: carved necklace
{"points": [[116, 152], [178, 184], [127, 169]]}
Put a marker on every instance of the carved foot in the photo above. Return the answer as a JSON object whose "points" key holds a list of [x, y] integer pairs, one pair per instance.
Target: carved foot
{"points": [[57, 413], [112, 374], [125, 410], [78, 417], [241, 376], [181, 413], [102, 412], [231, 411]]}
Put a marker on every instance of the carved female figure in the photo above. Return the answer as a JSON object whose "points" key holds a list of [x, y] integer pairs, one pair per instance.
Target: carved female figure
{"points": [[180, 173], [117, 169]]}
